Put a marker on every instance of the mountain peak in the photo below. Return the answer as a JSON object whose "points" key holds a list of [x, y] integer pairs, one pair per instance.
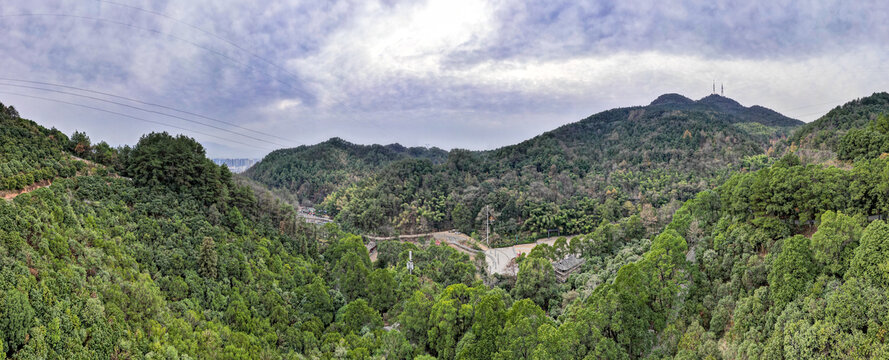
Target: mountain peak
{"points": [[719, 100], [337, 141], [722, 104], [672, 98]]}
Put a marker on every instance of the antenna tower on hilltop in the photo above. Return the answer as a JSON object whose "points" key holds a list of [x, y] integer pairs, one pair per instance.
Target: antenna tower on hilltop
{"points": [[722, 88]]}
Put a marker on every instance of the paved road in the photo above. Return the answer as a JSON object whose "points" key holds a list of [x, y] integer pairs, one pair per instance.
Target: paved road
{"points": [[498, 260], [316, 219], [502, 260]]}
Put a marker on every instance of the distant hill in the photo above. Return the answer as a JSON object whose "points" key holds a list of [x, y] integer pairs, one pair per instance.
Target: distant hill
{"points": [[824, 134], [685, 134], [314, 171], [606, 167], [236, 166], [723, 105]]}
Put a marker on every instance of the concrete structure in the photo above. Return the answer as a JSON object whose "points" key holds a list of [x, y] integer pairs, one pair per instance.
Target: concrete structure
{"points": [[567, 266]]}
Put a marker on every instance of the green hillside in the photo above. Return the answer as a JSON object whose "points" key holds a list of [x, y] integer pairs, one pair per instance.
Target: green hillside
{"points": [[825, 132], [160, 254], [30, 153], [613, 165], [312, 172], [163, 255]]}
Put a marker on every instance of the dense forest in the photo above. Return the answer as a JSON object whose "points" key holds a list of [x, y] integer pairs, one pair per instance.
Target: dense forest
{"points": [[28, 152], [312, 172], [619, 163], [163, 254], [824, 133]]}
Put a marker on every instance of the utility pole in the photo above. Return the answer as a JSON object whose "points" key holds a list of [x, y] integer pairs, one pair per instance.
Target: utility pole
{"points": [[410, 261], [487, 225]]}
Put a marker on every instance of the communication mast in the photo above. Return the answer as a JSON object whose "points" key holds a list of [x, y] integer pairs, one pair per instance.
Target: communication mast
{"points": [[722, 88]]}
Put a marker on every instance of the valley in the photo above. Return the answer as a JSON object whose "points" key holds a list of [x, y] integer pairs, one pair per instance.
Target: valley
{"points": [[444, 180], [726, 236]]}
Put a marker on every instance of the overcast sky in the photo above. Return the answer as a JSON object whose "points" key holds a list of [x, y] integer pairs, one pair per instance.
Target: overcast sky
{"points": [[446, 73]]}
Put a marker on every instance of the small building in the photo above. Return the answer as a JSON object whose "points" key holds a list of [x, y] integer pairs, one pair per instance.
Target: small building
{"points": [[567, 266]]}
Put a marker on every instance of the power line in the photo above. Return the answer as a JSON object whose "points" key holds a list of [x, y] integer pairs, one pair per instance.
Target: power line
{"points": [[141, 109], [144, 103], [122, 114], [206, 32], [218, 53], [821, 104]]}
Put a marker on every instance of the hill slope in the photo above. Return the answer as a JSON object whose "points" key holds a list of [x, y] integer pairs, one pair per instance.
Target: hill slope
{"points": [[825, 132], [30, 153], [312, 172], [176, 260], [606, 167], [784, 262], [674, 130]]}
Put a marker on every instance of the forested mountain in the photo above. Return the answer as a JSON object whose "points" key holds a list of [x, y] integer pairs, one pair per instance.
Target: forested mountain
{"points": [[640, 160], [312, 172], [160, 254], [721, 104], [845, 132], [673, 132], [825, 132]]}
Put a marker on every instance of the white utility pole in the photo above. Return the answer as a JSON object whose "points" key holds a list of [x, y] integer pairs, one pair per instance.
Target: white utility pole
{"points": [[487, 225], [410, 261]]}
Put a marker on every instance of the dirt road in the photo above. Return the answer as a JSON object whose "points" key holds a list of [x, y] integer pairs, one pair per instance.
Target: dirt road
{"points": [[11, 194]]}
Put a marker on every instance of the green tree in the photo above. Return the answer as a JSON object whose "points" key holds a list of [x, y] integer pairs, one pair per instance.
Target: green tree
{"points": [[315, 299], [835, 241], [792, 271], [519, 336], [414, 318], [208, 259], [80, 144], [881, 124], [178, 163], [871, 259], [351, 274], [359, 317], [536, 280], [634, 228], [16, 318], [662, 263], [381, 289], [486, 328], [450, 318]]}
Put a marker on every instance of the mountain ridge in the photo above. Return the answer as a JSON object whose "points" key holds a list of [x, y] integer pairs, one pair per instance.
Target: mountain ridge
{"points": [[782, 255], [590, 166]]}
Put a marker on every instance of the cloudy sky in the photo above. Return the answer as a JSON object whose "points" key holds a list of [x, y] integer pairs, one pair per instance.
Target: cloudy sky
{"points": [[247, 77]]}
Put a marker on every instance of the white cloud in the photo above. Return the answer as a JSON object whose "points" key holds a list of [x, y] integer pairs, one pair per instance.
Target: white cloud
{"points": [[474, 74], [386, 43], [288, 104]]}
